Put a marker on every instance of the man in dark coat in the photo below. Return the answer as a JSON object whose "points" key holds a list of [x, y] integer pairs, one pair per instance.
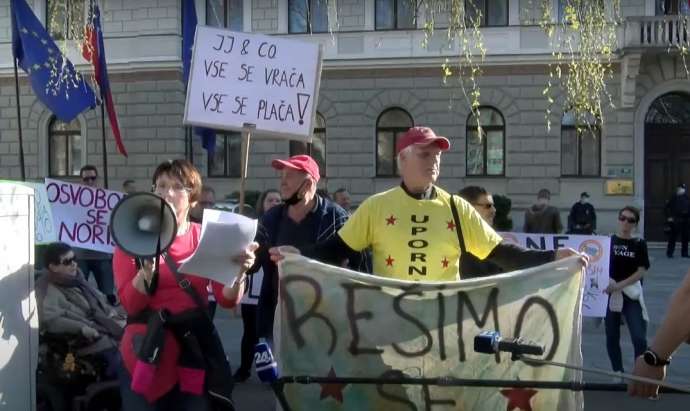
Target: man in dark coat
{"points": [[677, 213], [582, 218]]}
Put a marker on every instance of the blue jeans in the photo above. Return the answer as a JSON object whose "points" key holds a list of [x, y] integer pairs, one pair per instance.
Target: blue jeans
{"points": [[632, 310], [102, 271], [175, 400]]}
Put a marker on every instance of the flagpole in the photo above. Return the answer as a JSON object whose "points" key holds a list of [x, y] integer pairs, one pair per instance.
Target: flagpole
{"points": [[19, 121], [105, 154]]}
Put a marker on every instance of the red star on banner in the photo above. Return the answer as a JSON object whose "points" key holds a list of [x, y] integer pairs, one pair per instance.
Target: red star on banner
{"points": [[391, 220], [334, 390], [445, 262], [389, 261], [451, 225], [519, 398]]}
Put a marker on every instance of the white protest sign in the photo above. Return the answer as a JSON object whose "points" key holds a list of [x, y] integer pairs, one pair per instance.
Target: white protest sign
{"points": [[81, 214], [18, 312], [237, 78], [594, 300], [44, 232]]}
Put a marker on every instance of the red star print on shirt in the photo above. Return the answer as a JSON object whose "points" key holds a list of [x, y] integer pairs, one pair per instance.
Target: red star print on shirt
{"points": [[445, 262], [389, 261], [391, 220], [334, 390], [519, 398], [451, 225]]}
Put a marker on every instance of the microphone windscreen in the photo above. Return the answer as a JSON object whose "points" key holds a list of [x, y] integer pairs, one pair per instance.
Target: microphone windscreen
{"points": [[485, 342]]}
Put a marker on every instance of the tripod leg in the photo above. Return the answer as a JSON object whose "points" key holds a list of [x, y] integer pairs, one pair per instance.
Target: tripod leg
{"points": [[280, 395]]}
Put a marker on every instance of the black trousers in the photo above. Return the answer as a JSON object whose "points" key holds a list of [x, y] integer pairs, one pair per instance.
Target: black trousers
{"points": [[249, 338], [678, 227]]}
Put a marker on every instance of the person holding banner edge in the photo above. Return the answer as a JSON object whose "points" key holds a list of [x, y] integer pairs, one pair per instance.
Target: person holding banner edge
{"points": [[418, 231], [674, 329], [303, 219], [172, 355]]}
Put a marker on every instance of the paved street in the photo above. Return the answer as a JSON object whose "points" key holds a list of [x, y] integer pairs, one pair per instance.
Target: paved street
{"points": [[660, 283]]}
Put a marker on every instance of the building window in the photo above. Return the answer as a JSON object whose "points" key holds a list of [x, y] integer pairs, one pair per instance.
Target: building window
{"points": [[580, 147], [672, 7], [65, 18], [317, 148], [485, 143], [488, 12], [396, 14], [226, 160], [307, 16], [65, 145], [582, 12], [390, 125], [225, 13]]}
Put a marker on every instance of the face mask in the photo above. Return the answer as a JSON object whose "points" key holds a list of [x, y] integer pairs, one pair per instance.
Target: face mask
{"points": [[542, 201], [295, 197], [584, 200], [680, 191]]}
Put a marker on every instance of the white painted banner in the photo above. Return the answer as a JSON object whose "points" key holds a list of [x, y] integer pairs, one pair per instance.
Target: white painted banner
{"points": [[237, 78], [332, 322], [594, 300], [44, 232], [18, 311], [81, 214]]}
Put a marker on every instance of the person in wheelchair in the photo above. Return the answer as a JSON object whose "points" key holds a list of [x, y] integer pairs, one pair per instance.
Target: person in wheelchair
{"points": [[70, 307]]}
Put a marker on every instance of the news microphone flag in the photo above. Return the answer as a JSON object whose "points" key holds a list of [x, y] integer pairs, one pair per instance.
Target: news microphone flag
{"points": [[53, 78], [93, 51]]}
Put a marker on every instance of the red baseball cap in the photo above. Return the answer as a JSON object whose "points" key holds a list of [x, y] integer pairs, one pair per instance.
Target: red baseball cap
{"points": [[300, 162], [421, 136]]}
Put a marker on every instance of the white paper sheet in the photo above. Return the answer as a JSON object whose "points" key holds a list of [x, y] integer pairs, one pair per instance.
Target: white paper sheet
{"points": [[223, 236]]}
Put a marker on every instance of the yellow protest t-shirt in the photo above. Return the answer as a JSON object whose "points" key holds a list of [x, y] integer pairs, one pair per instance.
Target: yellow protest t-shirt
{"points": [[415, 239]]}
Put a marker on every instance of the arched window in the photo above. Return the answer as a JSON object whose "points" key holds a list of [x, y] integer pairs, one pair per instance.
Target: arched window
{"points": [[669, 109], [390, 124], [580, 146], [317, 148], [65, 145], [485, 143]]}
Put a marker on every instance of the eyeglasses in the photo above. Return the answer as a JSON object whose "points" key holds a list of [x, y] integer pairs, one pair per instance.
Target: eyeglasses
{"points": [[622, 218], [484, 205], [89, 178], [68, 261], [177, 188]]}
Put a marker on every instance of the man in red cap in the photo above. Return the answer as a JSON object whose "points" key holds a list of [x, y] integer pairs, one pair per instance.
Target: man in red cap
{"points": [[418, 231], [303, 219]]}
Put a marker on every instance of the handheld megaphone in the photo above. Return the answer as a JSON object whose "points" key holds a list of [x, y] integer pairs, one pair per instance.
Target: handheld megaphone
{"points": [[143, 225]]}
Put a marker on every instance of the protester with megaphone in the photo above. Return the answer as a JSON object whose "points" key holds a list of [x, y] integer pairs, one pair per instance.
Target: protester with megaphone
{"points": [[172, 355]]}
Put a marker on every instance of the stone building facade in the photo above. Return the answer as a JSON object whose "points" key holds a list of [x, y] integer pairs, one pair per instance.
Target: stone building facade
{"points": [[369, 69]]}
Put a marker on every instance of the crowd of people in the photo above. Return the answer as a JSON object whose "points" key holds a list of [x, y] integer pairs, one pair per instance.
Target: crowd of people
{"points": [[162, 320]]}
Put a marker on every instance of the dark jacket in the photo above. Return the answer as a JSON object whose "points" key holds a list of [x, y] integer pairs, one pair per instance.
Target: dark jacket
{"points": [[543, 219], [331, 218], [582, 219], [678, 207]]}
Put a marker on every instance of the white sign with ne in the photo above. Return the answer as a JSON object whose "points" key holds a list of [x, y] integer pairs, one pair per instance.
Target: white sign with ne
{"points": [[238, 78]]}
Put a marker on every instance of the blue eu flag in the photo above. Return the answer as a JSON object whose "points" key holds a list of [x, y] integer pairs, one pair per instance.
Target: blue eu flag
{"points": [[53, 78], [208, 136]]}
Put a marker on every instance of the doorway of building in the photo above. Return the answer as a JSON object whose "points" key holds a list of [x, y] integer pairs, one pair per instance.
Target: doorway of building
{"points": [[667, 157]]}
